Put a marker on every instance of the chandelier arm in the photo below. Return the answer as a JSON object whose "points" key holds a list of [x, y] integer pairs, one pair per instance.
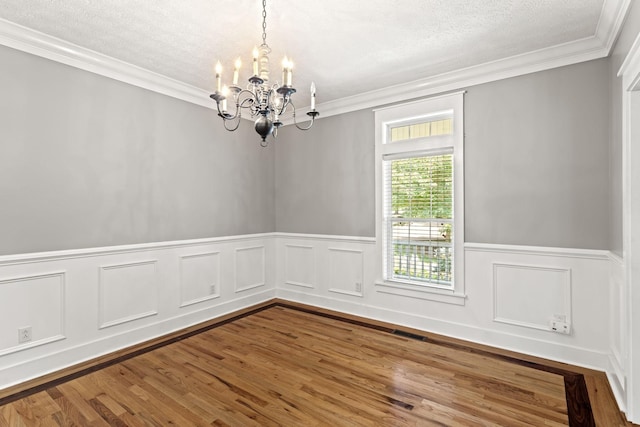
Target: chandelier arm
{"points": [[237, 123], [225, 114], [311, 114], [246, 102]]}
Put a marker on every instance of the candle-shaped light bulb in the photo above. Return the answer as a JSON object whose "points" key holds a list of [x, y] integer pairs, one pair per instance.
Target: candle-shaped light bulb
{"points": [[236, 71], [285, 65], [255, 61], [290, 73], [218, 76], [225, 93], [313, 96]]}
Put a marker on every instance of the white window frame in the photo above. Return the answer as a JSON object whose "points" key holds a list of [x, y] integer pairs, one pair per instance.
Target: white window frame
{"points": [[415, 112]]}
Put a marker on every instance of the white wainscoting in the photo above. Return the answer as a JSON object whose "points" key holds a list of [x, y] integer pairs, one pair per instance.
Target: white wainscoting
{"points": [[618, 331], [250, 265], [511, 294], [531, 295], [82, 304], [85, 303], [346, 271], [299, 265], [128, 292], [199, 277], [44, 314], [324, 270]]}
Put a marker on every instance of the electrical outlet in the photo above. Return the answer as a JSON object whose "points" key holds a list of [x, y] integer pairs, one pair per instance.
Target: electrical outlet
{"points": [[560, 327], [24, 334], [212, 289], [358, 287]]}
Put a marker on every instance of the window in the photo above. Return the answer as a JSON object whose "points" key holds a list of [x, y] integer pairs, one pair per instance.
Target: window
{"points": [[419, 218], [419, 180]]}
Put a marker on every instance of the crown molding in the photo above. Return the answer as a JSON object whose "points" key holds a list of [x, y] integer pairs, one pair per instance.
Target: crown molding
{"points": [[611, 20], [545, 59], [597, 46], [34, 42]]}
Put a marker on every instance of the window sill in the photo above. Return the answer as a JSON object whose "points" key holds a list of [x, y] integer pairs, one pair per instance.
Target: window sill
{"points": [[420, 292]]}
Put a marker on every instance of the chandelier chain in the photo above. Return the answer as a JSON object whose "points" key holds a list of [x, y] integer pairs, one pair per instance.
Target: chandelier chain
{"points": [[264, 22]]}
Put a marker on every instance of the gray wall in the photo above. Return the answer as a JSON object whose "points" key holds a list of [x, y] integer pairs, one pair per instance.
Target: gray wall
{"points": [[325, 177], [86, 161], [625, 40], [536, 154], [537, 159]]}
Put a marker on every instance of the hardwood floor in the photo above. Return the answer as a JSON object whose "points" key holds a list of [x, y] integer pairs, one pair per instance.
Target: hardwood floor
{"points": [[290, 365]]}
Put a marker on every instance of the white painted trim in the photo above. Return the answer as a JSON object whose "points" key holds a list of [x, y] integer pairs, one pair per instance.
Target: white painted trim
{"points": [[539, 250], [614, 375], [102, 324], [345, 292], [355, 292], [55, 49], [263, 280], [428, 293], [556, 56], [453, 104], [372, 306], [53, 338], [597, 46], [630, 65], [611, 20], [6, 260], [419, 101], [630, 74], [327, 237], [286, 265], [542, 327], [87, 351], [535, 347], [209, 297], [616, 258]]}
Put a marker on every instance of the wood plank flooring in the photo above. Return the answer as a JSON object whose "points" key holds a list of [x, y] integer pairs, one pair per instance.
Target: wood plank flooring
{"points": [[288, 366]]}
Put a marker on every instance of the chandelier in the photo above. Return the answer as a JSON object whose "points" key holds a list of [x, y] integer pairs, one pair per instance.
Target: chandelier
{"points": [[264, 101]]}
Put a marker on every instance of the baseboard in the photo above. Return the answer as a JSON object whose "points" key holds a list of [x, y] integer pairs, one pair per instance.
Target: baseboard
{"points": [[83, 304], [176, 330], [548, 350]]}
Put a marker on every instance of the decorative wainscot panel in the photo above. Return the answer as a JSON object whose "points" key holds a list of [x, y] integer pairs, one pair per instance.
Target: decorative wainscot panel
{"points": [[127, 292], [61, 308], [324, 270], [300, 266], [31, 311], [346, 271], [532, 296], [199, 277], [250, 267]]}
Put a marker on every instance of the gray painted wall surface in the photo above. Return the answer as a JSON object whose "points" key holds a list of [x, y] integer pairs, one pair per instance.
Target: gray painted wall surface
{"points": [[86, 161], [537, 159], [536, 154], [623, 45], [325, 177]]}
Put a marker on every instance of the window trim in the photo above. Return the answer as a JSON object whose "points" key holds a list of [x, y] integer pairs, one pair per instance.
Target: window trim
{"points": [[407, 113]]}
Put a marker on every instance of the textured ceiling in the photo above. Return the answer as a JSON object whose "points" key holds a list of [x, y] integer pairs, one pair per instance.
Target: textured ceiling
{"points": [[347, 47]]}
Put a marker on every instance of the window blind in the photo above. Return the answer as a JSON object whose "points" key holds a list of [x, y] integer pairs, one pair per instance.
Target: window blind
{"points": [[418, 212], [434, 127]]}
